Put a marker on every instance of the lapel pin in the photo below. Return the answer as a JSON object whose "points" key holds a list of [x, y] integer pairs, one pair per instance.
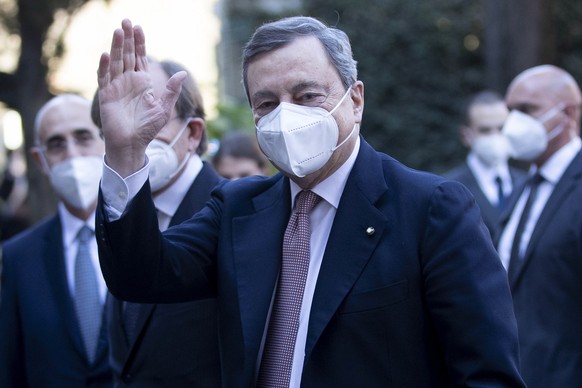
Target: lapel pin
{"points": [[370, 231]]}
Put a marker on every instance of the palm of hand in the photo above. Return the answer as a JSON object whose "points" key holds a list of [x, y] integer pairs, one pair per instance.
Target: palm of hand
{"points": [[129, 111]]}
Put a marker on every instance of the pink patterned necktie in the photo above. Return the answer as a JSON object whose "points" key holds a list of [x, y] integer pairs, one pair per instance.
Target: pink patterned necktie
{"points": [[275, 370]]}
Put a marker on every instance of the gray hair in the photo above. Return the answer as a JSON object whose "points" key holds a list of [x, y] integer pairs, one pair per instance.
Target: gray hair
{"points": [[274, 35]]}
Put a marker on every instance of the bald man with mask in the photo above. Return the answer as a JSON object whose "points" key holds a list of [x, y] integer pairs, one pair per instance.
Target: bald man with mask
{"points": [[540, 240]]}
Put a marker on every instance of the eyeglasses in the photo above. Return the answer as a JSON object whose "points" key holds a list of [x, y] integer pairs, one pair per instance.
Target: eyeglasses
{"points": [[58, 145]]}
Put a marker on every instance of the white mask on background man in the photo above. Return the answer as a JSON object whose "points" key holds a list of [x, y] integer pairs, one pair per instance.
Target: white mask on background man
{"points": [[492, 149], [527, 135], [300, 139], [76, 180], [164, 163]]}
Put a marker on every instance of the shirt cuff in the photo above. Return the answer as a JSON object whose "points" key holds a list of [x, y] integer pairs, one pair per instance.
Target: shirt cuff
{"points": [[117, 191]]}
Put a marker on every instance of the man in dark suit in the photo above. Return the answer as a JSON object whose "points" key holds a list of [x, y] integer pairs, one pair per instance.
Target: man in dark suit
{"points": [[375, 275], [486, 172], [170, 345], [541, 247], [51, 306]]}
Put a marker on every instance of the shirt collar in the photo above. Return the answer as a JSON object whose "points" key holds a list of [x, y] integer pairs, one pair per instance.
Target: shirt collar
{"points": [[553, 169], [486, 172], [169, 200], [72, 224], [332, 187]]}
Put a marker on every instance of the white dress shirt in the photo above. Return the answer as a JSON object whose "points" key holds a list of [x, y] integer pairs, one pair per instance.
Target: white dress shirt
{"points": [[71, 226], [486, 175], [117, 192], [168, 201], [552, 170]]}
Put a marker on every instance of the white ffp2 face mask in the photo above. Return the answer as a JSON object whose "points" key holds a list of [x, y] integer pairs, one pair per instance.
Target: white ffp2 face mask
{"points": [[492, 149], [76, 180], [164, 161], [527, 135], [300, 139]]}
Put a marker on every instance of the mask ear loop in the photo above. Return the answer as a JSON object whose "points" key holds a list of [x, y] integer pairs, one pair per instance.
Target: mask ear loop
{"points": [[340, 101], [353, 129], [548, 115], [187, 157], [551, 113]]}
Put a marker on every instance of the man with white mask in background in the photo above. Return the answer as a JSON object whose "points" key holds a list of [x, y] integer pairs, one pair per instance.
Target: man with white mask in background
{"points": [[170, 344], [541, 234], [51, 310], [486, 172]]}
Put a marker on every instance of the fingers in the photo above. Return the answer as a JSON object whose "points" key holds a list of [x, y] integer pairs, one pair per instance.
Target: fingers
{"points": [[128, 51], [116, 54], [128, 45], [140, 49], [103, 71]]}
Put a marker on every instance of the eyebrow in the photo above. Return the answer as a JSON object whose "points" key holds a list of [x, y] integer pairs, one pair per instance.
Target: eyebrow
{"points": [[77, 131], [523, 106], [295, 89], [307, 85]]}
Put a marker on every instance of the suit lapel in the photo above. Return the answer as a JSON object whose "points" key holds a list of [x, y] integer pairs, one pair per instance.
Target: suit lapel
{"points": [[197, 196], [488, 212], [565, 185], [350, 244], [257, 241], [54, 260]]}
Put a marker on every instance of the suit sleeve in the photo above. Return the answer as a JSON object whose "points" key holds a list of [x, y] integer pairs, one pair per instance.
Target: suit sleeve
{"points": [[142, 265], [11, 355], [467, 293]]}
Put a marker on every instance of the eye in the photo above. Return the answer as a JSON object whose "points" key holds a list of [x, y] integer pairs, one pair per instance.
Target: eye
{"points": [[265, 107], [56, 145], [311, 99]]}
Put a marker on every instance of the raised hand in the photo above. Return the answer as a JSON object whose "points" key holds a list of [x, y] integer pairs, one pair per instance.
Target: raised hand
{"points": [[131, 115]]}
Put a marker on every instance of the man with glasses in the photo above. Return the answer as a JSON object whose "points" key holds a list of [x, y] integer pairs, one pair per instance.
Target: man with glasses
{"points": [[51, 309]]}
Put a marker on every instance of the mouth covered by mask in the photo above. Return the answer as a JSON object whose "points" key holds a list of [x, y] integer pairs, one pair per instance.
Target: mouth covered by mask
{"points": [[300, 139], [527, 135], [163, 160], [76, 180], [492, 150]]}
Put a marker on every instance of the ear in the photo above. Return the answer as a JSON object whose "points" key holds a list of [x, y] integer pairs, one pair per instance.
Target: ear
{"points": [[466, 135], [357, 96], [40, 160], [573, 114], [196, 126]]}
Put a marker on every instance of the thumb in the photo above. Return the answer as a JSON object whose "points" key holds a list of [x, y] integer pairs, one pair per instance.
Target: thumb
{"points": [[173, 90]]}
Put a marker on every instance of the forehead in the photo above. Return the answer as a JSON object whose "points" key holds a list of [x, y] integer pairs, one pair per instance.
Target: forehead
{"points": [[303, 61], [65, 118], [532, 90], [488, 114]]}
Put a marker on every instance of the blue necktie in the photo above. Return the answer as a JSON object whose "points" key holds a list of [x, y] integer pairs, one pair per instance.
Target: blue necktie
{"points": [[516, 261], [500, 194], [87, 301]]}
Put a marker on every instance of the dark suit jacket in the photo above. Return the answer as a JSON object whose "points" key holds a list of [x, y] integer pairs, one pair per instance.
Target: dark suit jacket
{"points": [[421, 302], [489, 212], [547, 290], [177, 344], [40, 339]]}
